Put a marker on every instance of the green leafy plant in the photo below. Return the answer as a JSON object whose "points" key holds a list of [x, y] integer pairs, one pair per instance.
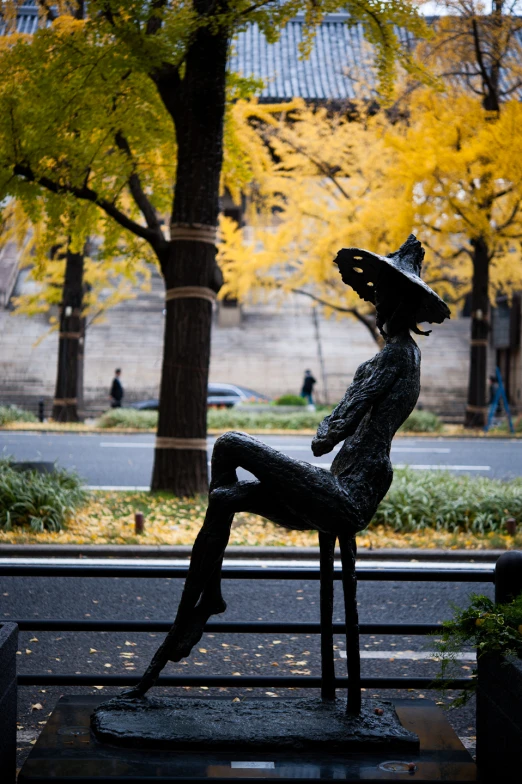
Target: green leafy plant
{"points": [[43, 502], [129, 418], [220, 419], [290, 400], [443, 501], [502, 427], [422, 422], [10, 414], [488, 627]]}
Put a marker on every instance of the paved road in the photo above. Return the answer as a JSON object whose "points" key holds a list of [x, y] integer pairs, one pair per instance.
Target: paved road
{"points": [[246, 654], [126, 460]]}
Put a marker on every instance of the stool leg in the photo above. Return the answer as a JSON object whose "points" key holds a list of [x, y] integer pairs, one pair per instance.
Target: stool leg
{"points": [[326, 556], [353, 659]]}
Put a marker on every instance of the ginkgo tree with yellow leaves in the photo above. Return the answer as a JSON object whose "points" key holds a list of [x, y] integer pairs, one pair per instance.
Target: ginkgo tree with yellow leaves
{"points": [[440, 162], [322, 186], [74, 287], [467, 190], [458, 175], [124, 111]]}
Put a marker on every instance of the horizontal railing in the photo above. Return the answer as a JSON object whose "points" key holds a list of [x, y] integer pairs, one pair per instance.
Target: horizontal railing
{"points": [[246, 572], [255, 681], [231, 627], [254, 572]]}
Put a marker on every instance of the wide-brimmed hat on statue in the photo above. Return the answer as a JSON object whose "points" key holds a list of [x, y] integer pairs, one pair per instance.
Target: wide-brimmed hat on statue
{"points": [[363, 271]]}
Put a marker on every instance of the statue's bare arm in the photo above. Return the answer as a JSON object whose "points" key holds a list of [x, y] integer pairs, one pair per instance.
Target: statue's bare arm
{"points": [[371, 382]]}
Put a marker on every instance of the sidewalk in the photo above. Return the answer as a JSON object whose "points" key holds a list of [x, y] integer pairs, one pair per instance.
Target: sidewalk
{"points": [[232, 552], [451, 432]]}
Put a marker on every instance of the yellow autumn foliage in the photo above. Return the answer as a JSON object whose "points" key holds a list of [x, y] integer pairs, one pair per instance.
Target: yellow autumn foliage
{"points": [[108, 518], [450, 173], [456, 170]]}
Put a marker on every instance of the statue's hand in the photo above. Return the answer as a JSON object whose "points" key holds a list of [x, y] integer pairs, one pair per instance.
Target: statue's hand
{"points": [[321, 446]]}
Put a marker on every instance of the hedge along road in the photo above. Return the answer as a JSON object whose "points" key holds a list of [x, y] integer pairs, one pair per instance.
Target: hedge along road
{"points": [[120, 461]]}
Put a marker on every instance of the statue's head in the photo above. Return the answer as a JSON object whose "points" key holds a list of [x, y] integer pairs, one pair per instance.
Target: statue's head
{"points": [[394, 285]]}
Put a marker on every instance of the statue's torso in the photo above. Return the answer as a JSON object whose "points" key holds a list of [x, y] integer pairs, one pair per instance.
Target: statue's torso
{"points": [[363, 463]]}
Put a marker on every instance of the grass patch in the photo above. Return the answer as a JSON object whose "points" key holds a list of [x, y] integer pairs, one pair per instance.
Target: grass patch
{"points": [[251, 421], [503, 426], [37, 502], [219, 419], [428, 510], [442, 501], [290, 400], [422, 422], [10, 414], [234, 419], [129, 418]]}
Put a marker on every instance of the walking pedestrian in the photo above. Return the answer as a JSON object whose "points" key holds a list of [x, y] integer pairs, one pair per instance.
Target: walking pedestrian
{"points": [[308, 387], [116, 390], [493, 390]]}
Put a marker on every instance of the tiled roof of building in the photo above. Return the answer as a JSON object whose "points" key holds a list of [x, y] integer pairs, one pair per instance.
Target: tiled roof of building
{"points": [[339, 58], [27, 18]]}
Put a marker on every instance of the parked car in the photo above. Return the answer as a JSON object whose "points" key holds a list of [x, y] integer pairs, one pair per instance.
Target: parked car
{"points": [[225, 395]]}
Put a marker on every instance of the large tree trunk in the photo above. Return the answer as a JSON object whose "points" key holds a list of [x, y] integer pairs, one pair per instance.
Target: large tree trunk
{"points": [[477, 407], [198, 112], [68, 393]]}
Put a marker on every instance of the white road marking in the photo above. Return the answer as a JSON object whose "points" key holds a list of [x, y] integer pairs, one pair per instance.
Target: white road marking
{"points": [[435, 450], [127, 445], [327, 466], [119, 488], [13, 433], [412, 655], [443, 467], [285, 447]]}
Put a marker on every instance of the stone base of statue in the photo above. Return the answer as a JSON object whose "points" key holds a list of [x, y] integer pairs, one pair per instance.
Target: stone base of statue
{"points": [[251, 725], [427, 748]]}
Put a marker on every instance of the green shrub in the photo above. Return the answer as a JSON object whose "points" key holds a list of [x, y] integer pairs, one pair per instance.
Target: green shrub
{"points": [[129, 417], [290, 400], [444, 501], [503, 426], [422, 422], [490, 628], [220, 419], [44, 502], [234, 419], [10, 414]]}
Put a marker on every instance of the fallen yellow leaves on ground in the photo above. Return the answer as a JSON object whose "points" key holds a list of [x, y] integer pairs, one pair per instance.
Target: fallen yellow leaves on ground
{"points": [[108, 518]]}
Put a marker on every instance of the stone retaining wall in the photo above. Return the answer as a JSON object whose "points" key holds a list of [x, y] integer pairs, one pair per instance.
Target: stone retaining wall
{"points": [[267, 351]]}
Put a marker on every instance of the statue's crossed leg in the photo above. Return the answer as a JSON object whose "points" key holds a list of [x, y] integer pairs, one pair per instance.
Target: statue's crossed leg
{"points": [[294, 494]]}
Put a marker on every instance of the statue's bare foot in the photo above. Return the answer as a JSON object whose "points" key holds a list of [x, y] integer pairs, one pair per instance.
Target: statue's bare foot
{"points": [[188, 634], [136, 692]]}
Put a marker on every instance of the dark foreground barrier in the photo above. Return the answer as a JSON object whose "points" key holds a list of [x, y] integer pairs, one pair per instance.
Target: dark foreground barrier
{"points": [[499, 692], [8, 647]]}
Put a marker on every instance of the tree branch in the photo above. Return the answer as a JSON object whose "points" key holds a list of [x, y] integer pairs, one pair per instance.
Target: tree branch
{"points": [[87, 194], [255, 7], [480, 61], [511, 217], [367, 321], [324, 168], [154, 22], [49, 13], [138, 194]]}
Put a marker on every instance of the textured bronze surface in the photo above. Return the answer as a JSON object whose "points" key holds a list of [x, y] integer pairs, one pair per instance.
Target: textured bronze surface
{"points": [[296, 495], [253, 725]]}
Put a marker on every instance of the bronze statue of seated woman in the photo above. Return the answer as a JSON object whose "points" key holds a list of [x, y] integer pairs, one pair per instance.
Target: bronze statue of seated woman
{"points": [[296, 495]]}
